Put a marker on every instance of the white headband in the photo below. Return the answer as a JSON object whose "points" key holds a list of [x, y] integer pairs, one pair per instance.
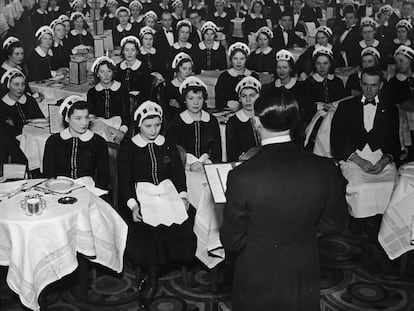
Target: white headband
{"points": [[131, 39], [66, 104], [43, 31], [191, 81], [122, 8], [99, 61], [146, 109], [239, 46], [9, 41], [9, 75], [248, 82]]}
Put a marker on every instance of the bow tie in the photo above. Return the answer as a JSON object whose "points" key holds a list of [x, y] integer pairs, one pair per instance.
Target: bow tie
{"points": [[368, 102], [296, 13], [168, 31]]}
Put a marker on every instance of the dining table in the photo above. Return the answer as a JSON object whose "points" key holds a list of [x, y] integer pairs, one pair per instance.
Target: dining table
{"points": [[41, 249]]}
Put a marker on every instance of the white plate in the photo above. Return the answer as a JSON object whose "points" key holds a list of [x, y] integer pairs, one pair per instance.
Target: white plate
{"points": [[59, 184], [41, 121], [57, 85], [57, 78]]}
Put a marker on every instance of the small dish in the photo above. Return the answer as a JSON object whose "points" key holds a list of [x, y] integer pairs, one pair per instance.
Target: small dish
{"points": [[59, 184], [67, 200]]}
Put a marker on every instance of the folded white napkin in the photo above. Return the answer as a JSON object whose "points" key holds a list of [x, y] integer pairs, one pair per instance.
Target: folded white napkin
{"points": [[12, 186], [367, 154], [89, 184], [204, 159]]}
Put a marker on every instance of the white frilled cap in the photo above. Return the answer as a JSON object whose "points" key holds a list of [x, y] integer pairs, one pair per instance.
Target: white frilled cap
{"points": [[220, 1], [122, 9], [54, 23], [131, 39], [76, 3], [9, 41], [266, 30], [182, 23], [176, 3], [62, 18], [326, 30], [248, 82], [112, 2], [209, 26], [146, 30], [369, 21], [67, 103], [385, 8], [351, 3], [371, 51], [147, 109], [324, 51], [151, 14], [99, 61], [239, 46], [76, 15], [9, 75], [135, 4], [191, 81], [405, 50], [405, 24], [257, 1], [284, 55], [43, 31], [179, 57]]}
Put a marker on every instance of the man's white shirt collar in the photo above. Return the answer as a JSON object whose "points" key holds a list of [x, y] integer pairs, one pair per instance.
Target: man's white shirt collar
{"points": [[277, 139]]}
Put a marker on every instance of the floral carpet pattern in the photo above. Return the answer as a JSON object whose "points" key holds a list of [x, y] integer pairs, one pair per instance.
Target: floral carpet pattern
{"points": [[350, 281]]}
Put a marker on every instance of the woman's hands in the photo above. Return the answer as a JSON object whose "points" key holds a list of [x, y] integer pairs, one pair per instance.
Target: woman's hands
{"points": [[186, 203], [136, 213], [196, 167], [117, 135]]}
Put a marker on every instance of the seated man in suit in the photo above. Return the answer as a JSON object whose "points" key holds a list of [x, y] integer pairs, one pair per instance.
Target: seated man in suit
{"points": [[165, 37], [365, 141], [311, 12], [195, 36], [297, 17], [284, 36]]}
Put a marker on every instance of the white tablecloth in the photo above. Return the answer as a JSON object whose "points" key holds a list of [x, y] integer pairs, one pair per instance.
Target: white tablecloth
{"points": [[33, 145], [40, 250], [396, 232]]}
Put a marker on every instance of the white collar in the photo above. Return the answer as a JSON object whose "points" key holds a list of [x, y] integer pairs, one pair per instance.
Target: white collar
{"points": [[123, 65], [41, 12], [199, 7], [43, 54], [401, 77], [141, 142], [111, 15], [177, 46], [176, 83], [73, 32], [11, 102], [115, 86], [8, 67], [242, 116], [54, 10], [252, 16], [138, 20], [277, 139], [385, 24], [223, 15], [317, 45], [266, 51], [289, 85], [127, 28], [406, 43], [185, 116], [66, 134], [57, 43], [364, 45], [215, 46], [363, 98], [233, 73], [151, 51], [318, 78], [165, 29]]}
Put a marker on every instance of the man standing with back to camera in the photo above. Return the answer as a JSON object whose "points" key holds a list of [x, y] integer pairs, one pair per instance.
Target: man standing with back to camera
{"points": [[276, 203]]}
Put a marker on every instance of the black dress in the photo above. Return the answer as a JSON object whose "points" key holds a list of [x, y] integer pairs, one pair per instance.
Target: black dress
{"points": [[134, 78], [75, 39], [108, 103], [40, 65], [152, 61], [211, 59], [14, 115], [352, 84], [61, 55], [54, 13], [399, 89], [196, 137], [119, 33], [240, 136], [223, 22], [155, 162], [189, 49], [172, 92], [265, 61], [226, 84], [40, 18], [75, 157], [252, 24], [110, 22]]}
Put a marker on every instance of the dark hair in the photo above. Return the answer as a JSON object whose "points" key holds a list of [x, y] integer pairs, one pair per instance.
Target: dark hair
{"points": [[195, 89], [110, 66], [181, 62], [266, 34], [349, 9], [10, 50], [181, 26], [80, 105], [72, 23], [292, 65], [332, 61], [372, 71], [284, 14], [234, 51], [192, 11], [277, 111], [165, 12], [132, 42]]}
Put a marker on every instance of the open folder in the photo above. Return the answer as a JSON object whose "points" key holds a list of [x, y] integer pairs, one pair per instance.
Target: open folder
{"points": [[217, 179]]}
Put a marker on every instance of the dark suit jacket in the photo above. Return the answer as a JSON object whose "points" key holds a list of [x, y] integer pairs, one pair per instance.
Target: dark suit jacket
{"points": [[298, 27], [275, 202], [350, 46], [278, 42], [311, 15], [194, 37], [348, 133], [362, 12]]}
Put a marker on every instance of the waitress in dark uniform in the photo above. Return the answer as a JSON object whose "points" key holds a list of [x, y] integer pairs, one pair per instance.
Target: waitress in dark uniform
{"points": [[76, 151], [79, 35], [211, 55], [136, 19], [110, 19], [255, 20], [226, 95], [148, 54], [40, 60], [195, 129], [16, 107], [241, 135], [150, 158], [263, 59], [61, 53], [403, 29], [124, 27], [108, 98]]}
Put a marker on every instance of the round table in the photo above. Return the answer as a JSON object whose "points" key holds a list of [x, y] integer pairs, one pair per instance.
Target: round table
{"points": [[40, 250]]}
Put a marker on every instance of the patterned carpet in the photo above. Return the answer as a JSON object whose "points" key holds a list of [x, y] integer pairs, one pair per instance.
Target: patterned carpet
{"points": [[350, 281]]}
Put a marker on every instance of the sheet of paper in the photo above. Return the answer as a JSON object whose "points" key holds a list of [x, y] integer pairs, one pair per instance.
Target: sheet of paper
{"points": [[55, 119], [311, 29], [14, 171], [217, 179]]}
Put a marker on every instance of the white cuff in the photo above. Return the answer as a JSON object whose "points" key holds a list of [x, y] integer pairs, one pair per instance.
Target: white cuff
{"points": [[131, 203], [183, 195], [53, 73], [123, 129]]}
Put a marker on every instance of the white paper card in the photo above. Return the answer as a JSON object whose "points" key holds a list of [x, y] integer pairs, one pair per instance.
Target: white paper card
{"points": [[311, 29], [14, 171], [217, 179]]}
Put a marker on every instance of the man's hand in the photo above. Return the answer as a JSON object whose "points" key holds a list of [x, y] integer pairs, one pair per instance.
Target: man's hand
{"points": [[196, 167], [380, 165], [117, 135], [136, 214], [365, 165], [174, 103], [186, 203]]}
